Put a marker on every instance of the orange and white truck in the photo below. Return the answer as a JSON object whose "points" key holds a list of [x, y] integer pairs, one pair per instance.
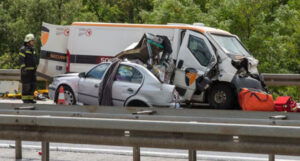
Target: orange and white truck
{"points": [[212, 53]]}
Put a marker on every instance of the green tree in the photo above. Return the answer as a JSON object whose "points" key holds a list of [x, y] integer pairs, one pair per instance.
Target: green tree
{"points": [[3, 30], [172, 11], [118, 10]]}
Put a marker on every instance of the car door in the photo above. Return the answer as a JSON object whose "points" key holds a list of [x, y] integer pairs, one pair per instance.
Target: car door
{"points": [[195, 54], [127, 83], [88, 86]]}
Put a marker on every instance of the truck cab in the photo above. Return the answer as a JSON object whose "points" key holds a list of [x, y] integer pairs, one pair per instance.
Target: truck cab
{"points": [[222, 59]]}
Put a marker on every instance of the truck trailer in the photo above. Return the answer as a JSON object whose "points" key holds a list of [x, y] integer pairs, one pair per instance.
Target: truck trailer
{"points": [[215, 56]]}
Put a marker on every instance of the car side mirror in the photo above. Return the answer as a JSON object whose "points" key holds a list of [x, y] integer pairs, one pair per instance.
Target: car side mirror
{"points": [[82, 75], [180, 64]]}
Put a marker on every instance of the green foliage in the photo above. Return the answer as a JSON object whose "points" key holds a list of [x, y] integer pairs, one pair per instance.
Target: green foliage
{"points": [[9, 61], [270, 29], [172, 11], [117, 10], [286, 91]]}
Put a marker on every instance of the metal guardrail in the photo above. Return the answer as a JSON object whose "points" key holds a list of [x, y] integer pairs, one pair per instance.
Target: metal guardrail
{"points": [[14, 74], [270, 79], [9, 74], [214, 130], [282, 79]]}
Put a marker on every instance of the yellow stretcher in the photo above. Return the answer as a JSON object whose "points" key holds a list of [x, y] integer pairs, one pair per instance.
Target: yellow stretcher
{"points": [[19, 95]]}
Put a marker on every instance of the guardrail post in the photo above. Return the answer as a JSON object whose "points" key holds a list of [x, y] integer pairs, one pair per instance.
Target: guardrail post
{"points": [[192, 155], [136, 153], [45, 151], [271, 157], [18, 149]]}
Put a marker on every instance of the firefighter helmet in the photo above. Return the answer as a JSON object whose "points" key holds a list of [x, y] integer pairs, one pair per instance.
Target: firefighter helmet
{"points": [[29, 37]]}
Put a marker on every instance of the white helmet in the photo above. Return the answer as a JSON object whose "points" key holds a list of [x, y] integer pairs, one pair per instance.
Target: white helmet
{"points": [[29, 37]]}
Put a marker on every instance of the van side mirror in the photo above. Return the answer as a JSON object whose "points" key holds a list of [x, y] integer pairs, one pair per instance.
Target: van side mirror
{"points": [[81, 75], [180, 64]]}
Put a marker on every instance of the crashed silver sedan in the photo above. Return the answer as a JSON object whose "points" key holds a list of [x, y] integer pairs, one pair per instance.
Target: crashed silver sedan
{"points": [[134, 85]]}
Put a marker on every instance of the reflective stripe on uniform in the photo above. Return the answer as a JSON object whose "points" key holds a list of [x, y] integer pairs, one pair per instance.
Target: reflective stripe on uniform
{"points": [[29, 68], [27, 97], [28, 52], [22, 54]]}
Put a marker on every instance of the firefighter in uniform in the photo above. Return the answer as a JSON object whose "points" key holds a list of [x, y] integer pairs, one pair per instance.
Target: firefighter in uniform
{"points": [[28, 61]]}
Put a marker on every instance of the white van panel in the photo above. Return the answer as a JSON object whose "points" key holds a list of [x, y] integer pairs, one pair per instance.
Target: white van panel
{"points": [[79, 67], [90, 45], [58, 38], [107, 41], [51, 67], [53, 51]]}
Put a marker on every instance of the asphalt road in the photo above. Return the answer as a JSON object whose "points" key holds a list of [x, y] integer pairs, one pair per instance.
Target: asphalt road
{"points": [[72, 152]]}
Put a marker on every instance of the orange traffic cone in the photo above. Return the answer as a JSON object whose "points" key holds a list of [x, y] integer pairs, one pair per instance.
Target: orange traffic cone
{"points": [[61, 96]]}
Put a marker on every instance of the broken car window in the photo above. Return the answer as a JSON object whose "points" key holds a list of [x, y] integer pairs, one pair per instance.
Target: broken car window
{"points": [[129, 74]]}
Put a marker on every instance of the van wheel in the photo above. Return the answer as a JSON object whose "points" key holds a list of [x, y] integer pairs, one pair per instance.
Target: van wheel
{"points": [[222, 96], [69, 96]]}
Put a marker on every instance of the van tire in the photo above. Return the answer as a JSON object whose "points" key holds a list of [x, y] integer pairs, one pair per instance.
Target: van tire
{"points": [[222, 96]]}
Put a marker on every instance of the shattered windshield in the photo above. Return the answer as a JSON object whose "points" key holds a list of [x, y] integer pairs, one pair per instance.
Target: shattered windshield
{"points": [[231, 45]]}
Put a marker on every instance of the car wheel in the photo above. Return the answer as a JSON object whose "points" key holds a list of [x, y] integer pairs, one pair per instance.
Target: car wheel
{"points": [[222, 96], [69, 96]]}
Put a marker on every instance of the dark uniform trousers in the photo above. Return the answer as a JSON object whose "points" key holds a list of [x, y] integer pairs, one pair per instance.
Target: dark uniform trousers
{"points": [[28, 61]]}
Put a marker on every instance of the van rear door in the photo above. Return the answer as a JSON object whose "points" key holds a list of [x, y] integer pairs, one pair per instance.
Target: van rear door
{"points": [[54, 40]]}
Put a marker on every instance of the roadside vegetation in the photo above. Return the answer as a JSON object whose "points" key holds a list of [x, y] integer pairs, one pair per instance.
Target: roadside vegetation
{"points": [[270, 29]]}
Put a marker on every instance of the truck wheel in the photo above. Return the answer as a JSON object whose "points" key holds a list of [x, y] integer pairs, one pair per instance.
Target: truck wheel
{"points": [[69, 96], [222, 96]]}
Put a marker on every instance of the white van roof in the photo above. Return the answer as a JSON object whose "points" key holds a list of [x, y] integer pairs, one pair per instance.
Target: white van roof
{"points": [[197, 28]]}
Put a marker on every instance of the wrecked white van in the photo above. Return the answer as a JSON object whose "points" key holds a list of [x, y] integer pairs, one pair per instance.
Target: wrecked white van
{"points": [[211, 54]]}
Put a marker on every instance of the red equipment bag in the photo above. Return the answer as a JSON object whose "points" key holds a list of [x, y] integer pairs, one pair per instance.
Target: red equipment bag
{"points": [[255, 100], [285, 103]]}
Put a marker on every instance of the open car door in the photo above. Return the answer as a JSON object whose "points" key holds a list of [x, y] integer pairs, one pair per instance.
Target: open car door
{"points": [[127, 83]]}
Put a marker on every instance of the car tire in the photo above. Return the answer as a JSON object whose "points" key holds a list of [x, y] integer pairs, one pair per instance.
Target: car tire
{"points": [[69, 95], [222, 96]]}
